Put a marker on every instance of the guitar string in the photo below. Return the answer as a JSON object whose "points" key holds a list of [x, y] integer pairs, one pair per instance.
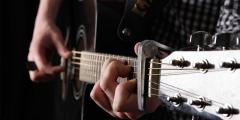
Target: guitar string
{"points": [[134, 60], [187, 71], [175, 89], [78, 58], [168, 87], [101, 55]]}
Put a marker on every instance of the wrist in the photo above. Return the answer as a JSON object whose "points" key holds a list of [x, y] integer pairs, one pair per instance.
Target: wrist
{"points": [[48, 10]]}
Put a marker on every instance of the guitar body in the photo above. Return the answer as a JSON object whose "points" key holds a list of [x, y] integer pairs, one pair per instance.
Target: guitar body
{"points": [[92, 27], [80, 35]]}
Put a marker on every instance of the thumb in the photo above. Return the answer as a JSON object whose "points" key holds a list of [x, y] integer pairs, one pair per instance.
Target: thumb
{"points": [[58, 42], [136, 47]]}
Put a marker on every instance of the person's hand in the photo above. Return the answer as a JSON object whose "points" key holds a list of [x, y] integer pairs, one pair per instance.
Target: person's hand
{"points": [[119, 99], [46, 39]]}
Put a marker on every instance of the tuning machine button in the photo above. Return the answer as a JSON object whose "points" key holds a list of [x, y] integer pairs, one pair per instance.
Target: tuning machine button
{"points": [[201, 102], [228, 110], [222, 40], [177, 100], [226, 40], [201, 39]]}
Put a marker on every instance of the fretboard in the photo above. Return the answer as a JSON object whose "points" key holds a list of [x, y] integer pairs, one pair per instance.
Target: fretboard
{"points": [[88, 65]]}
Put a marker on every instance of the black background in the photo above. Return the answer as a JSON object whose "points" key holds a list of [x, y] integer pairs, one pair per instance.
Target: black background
{"points": [[21, 99]]}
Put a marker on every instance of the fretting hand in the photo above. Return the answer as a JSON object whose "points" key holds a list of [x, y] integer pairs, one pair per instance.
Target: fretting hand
{"points": [[119, 99]]}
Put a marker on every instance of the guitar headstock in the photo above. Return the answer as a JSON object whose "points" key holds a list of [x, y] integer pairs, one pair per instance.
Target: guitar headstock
{"points": [[200, 83], [208, 80]]}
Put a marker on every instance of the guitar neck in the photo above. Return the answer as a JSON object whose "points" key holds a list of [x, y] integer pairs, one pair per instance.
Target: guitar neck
{"points": [[87, 65]]}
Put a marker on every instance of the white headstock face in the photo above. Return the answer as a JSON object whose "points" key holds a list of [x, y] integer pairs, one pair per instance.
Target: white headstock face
{"points": [[209, 80]]}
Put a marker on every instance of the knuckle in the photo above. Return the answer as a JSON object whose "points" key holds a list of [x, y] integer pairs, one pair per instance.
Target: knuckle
{"points": [[108, 62], [93, 95], [116, 107], [104, 85]]}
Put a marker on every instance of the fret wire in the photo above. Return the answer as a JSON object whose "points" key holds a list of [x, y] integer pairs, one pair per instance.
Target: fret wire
{"points": [[90, 62], [95, 71], [99, 67]]}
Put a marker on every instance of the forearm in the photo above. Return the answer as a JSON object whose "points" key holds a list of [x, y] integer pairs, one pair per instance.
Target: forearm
{"points": [[48, 10]]}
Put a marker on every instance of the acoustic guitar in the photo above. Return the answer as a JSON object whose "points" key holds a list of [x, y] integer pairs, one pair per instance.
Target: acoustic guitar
{"points": [[201, 83]]}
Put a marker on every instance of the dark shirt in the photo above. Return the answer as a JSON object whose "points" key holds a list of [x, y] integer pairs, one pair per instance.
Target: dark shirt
{"points": [[171, 22]]}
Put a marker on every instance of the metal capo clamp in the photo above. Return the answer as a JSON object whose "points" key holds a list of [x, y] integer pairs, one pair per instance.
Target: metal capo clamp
{"points": [[148, 49]]}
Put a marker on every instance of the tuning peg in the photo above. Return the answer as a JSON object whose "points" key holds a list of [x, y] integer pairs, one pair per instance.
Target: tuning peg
{"points": [[201, 102], [232, 65], [228, 110], [201, 39], [177, 99], [180, 63]]}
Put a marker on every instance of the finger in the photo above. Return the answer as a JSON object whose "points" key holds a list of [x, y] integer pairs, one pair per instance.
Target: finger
{"points": [[37, 76], [136, 47], [127, 99], [126, 94], [100, 98], [43, 65], [112, 71], [134, 115], [58, 41]]}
